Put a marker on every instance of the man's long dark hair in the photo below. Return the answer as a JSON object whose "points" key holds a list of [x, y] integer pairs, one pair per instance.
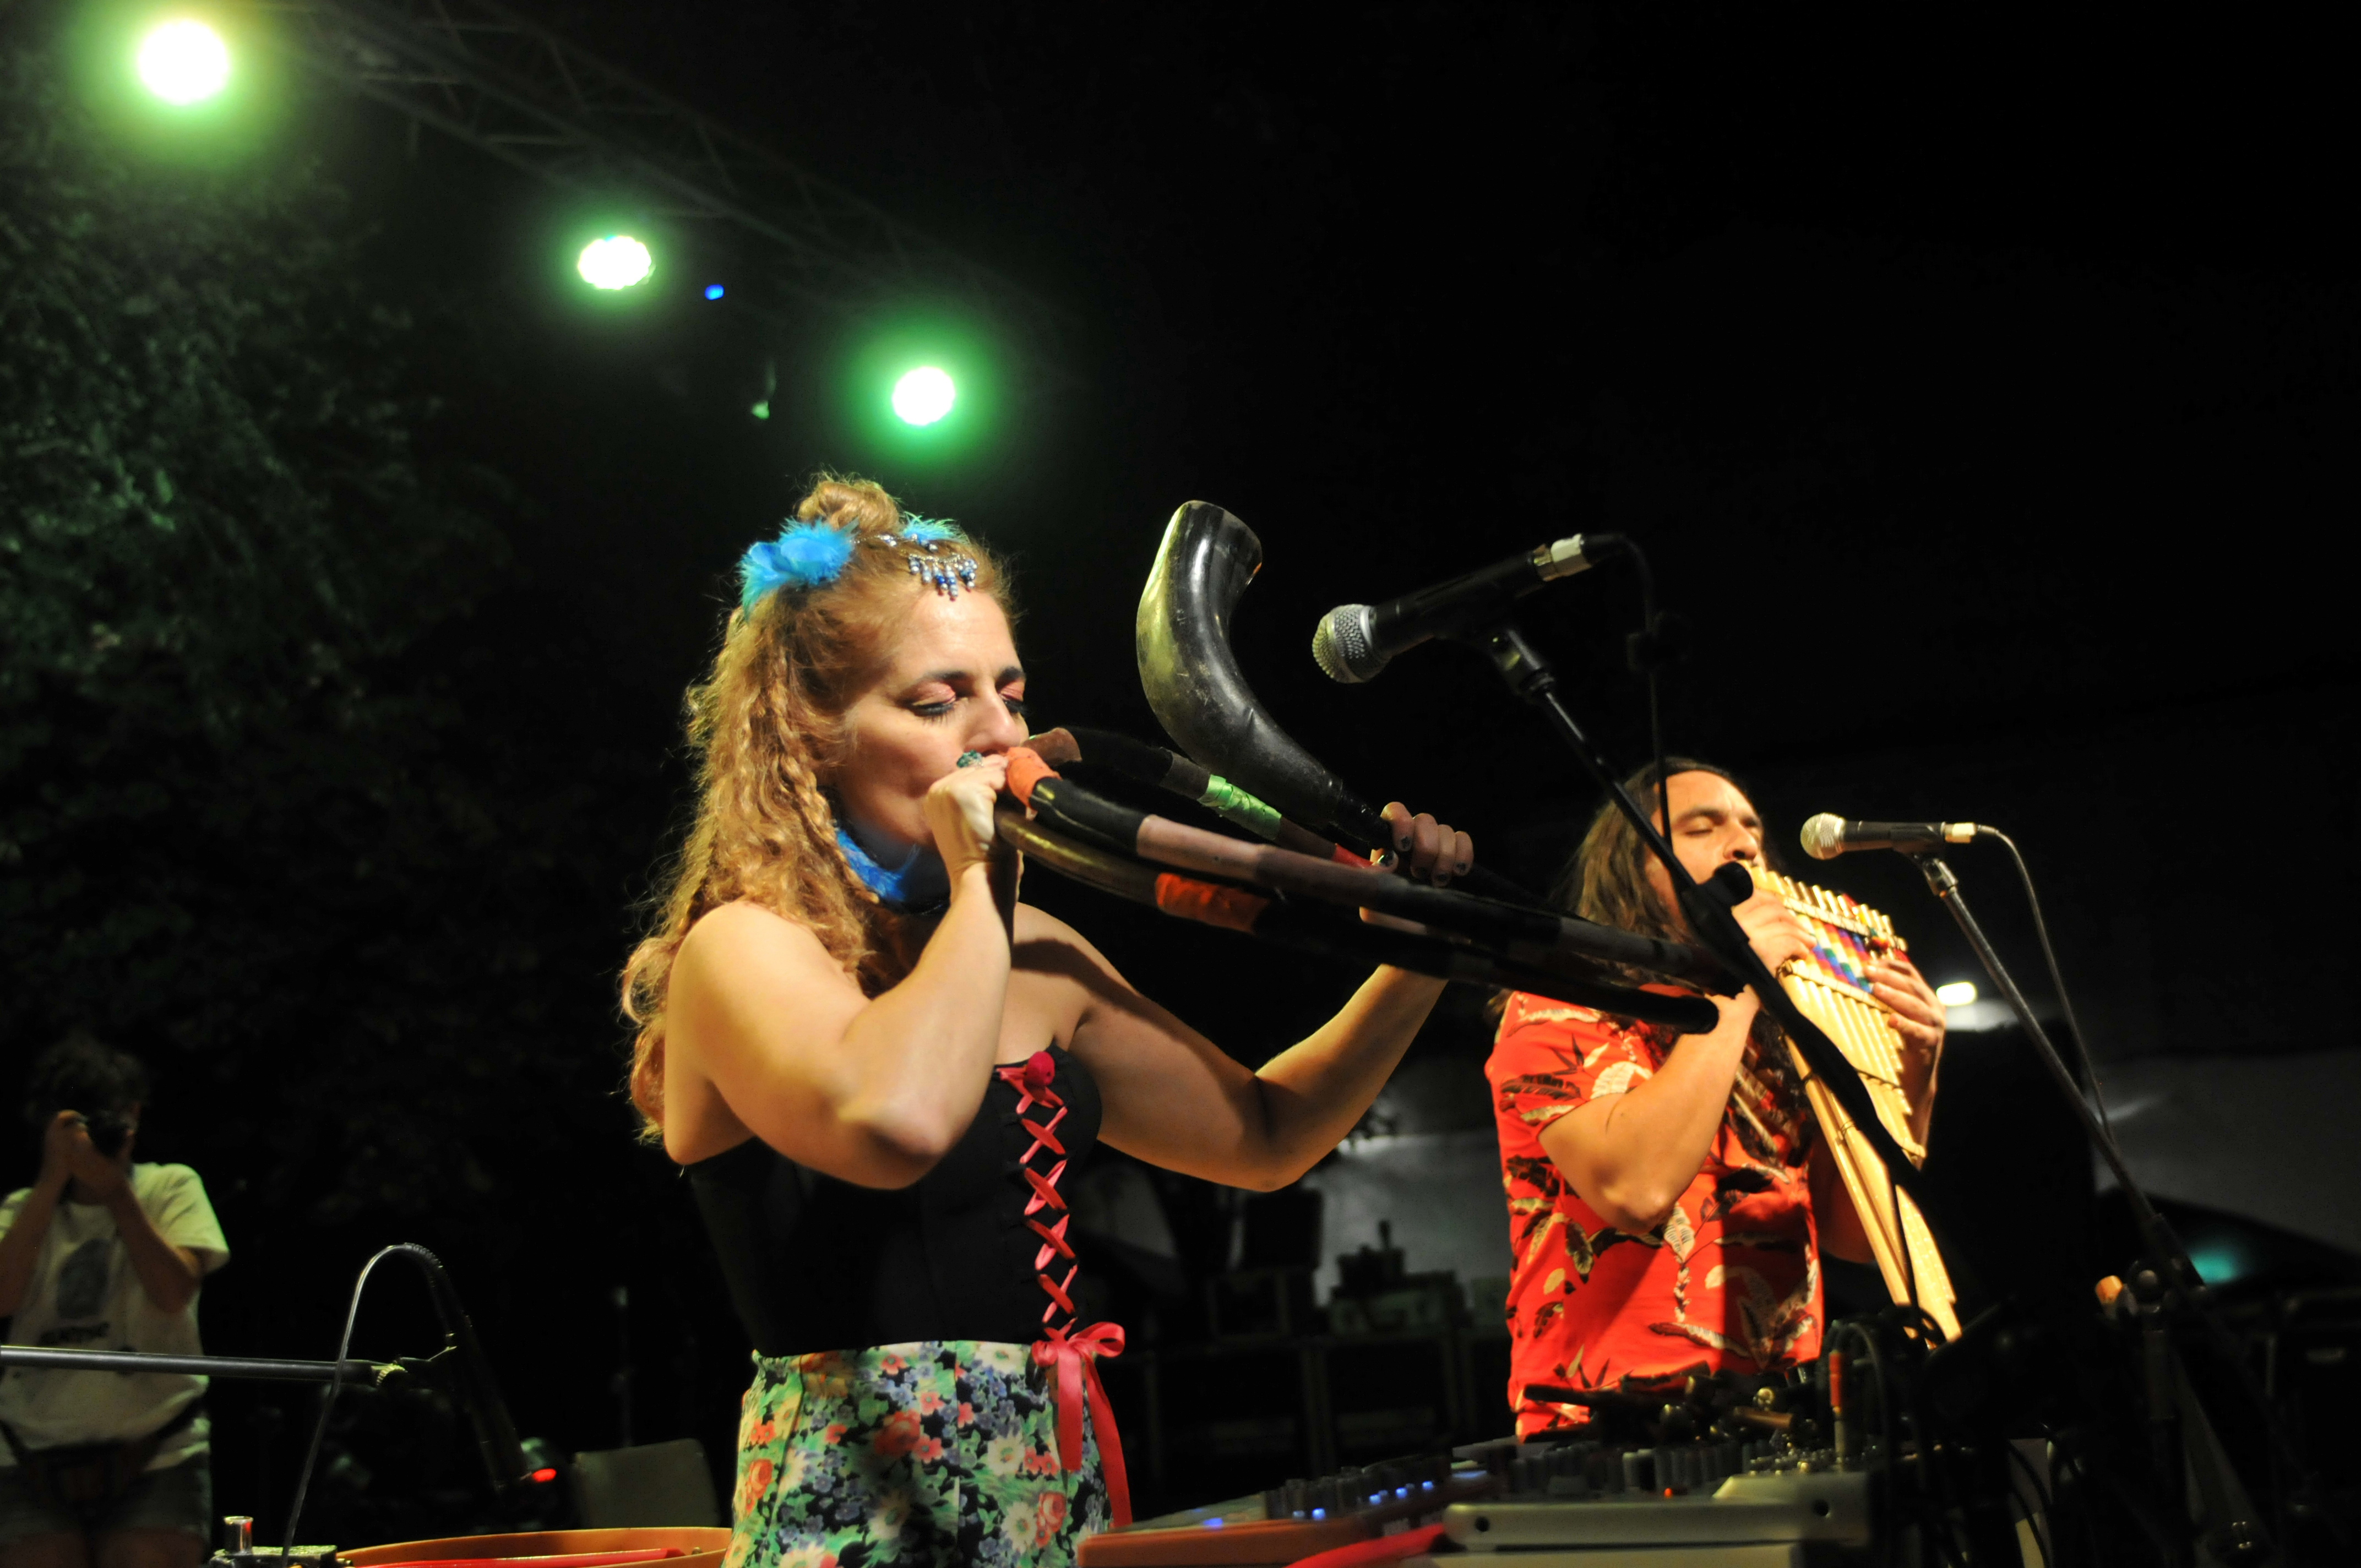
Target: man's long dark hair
{"points": [[1606, 879]]}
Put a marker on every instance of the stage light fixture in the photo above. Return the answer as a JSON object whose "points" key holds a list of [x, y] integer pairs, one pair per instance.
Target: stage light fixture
{"points": [[617, 261], [1959, 994], [924, 395], [182, 61]]}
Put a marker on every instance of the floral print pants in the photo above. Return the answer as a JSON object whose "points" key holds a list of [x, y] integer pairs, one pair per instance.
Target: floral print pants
{"points": [[934, 1452]]}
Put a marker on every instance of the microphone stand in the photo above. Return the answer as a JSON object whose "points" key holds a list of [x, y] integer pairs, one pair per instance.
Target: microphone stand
{"points": [[243, 1367], [1709, 908], [2166, 1280]]}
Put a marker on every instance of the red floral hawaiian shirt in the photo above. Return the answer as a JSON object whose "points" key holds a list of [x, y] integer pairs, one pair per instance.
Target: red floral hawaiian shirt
{"points": [[1731, 1278]]}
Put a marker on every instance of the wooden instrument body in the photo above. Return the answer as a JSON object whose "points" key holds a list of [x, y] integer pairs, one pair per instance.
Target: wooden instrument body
{"points": [[1832, 989]]}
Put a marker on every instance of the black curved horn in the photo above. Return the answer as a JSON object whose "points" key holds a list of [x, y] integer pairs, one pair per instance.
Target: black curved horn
{"points": [[1194, 687]]}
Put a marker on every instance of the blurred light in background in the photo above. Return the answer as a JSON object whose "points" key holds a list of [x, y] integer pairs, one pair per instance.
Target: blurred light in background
{"points": [[617, 261], [1959, 994], [183, 62], [924, 395], [713, 291]]}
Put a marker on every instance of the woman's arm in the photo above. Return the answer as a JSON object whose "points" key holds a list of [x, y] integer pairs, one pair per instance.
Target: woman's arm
{"points": [[1176, 1100], [1632, 1156], [766, 1033], [1173, 1099]]}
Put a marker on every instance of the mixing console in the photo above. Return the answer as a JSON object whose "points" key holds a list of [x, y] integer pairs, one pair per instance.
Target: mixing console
{"points": [[1522, 1498]]}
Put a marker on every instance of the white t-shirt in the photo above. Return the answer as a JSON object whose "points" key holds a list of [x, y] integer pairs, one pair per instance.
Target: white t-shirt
{"points": [[84, 1295]]}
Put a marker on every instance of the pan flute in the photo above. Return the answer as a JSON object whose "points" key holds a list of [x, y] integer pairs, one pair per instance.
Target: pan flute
{"points": [[1831, 988]]}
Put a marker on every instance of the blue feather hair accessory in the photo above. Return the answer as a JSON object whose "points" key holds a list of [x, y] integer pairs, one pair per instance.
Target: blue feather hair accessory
{"points": [[813, 555], [805, 555]]}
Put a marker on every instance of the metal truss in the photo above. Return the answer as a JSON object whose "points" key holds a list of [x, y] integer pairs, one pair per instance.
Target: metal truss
{"points": [[481, 73]]}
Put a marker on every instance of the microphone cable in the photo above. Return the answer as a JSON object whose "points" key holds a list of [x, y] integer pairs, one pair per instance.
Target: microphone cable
{"points": [[1645, 651], [429, 1265], [2057, 977]]}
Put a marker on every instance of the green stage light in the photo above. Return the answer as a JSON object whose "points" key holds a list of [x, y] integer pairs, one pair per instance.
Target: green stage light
{"points": [[617, 261], [183, 62], [924, 395]]}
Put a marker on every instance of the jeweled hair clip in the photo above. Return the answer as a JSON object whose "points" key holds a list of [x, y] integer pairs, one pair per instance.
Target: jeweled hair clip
{"points": [[922, 541]]}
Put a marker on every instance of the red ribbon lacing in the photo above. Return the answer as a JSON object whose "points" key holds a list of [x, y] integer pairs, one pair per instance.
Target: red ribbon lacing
{"points": [[1072, 1352]]}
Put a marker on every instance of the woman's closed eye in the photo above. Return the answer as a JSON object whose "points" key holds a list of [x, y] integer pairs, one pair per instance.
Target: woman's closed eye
{"points": [[941, 707]]}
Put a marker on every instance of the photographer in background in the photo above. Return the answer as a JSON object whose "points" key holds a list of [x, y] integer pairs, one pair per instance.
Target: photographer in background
{"points": [[102, 1469]]}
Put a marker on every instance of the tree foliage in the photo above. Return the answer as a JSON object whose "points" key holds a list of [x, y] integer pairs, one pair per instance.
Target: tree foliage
{"points": [[267, 807]]}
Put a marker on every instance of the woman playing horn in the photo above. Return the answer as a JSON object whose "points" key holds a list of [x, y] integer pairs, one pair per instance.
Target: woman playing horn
{"points": [[876, 1089]]}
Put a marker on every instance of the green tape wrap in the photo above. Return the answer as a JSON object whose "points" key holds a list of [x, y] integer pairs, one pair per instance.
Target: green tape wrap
{"points": [[1238, 806]]}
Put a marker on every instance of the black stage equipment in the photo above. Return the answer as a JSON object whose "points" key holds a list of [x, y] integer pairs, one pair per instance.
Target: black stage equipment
{"points": [[2164, 1293]]}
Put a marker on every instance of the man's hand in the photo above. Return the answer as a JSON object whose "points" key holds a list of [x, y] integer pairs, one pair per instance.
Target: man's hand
{"points": [[103, 1175], [68, 1154], [1773, 932], [58, 1140], [1917, 1016]]}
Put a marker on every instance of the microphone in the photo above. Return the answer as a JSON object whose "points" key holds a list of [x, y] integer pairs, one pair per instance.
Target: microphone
{"points": [[1355, 641], [1828, 836]]}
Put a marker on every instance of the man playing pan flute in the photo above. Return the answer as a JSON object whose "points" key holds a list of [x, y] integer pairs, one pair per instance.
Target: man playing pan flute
{"points": [[1670, 1196]]}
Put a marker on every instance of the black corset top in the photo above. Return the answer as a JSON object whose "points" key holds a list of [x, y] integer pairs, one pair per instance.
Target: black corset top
{"points": [[817, 1263]]}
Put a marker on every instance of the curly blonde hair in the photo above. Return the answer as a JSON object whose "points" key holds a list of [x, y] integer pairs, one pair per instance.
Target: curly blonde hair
{"points": [[765, 726]]}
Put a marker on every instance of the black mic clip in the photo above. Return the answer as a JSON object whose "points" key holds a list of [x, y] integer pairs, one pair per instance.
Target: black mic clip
{"points": [[1662, 644]]}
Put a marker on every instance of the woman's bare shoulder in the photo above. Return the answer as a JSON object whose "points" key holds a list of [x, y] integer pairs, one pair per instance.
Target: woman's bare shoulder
{"points": [[738, 934]]}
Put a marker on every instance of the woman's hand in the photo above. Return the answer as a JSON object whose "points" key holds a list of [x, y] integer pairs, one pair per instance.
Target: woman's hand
{"points": [[958, 809], [1433, 852]]}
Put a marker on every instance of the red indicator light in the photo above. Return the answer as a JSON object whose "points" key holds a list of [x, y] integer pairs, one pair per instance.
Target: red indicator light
{"points": [[546, 1472]]}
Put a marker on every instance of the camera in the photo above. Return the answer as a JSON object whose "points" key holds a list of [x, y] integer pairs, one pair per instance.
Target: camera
{"points": [[108, 1130]]}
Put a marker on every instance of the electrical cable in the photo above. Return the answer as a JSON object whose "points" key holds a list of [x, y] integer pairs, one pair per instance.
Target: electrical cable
{"points": [[1937, 1511], [2041, 1495], [429, 1265], [1651, 657], [328, 1402], [2057, 976]]}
